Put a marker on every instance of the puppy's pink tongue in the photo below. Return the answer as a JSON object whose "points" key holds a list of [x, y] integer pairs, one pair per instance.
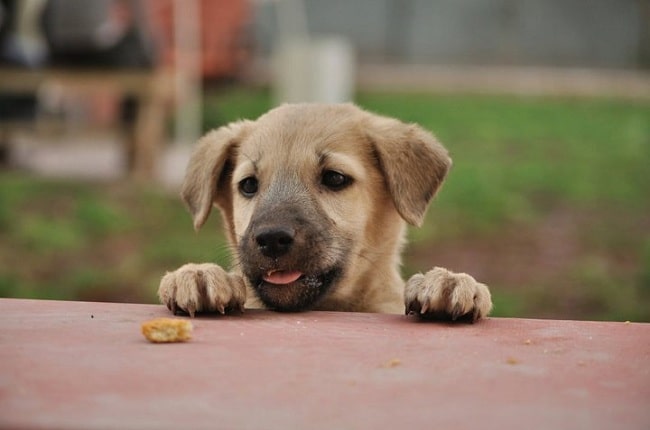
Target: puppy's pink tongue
{"points": [[282, 277]]}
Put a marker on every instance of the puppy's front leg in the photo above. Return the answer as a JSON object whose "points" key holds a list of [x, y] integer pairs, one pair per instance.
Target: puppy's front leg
{"points": [[441, 294], [202, 287]]}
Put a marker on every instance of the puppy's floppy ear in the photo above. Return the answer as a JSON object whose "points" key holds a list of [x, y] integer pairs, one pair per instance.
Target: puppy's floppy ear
{"points": [[413, 162], [208, 171]]}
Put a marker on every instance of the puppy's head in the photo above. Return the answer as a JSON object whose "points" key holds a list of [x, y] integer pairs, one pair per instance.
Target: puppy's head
{"points": [[312, 195]]}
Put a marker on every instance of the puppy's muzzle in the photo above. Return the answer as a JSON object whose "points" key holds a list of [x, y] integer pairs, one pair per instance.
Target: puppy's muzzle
{"points": [[290, 262]]}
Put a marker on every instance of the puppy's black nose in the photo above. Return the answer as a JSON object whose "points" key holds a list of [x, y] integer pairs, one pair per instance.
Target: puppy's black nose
{"points": [[275, 242]]}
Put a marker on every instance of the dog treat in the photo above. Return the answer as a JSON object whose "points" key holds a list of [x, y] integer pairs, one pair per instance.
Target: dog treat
{"points": [[165, 330]]}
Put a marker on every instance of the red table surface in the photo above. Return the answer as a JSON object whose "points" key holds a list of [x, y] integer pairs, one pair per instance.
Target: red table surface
{"points": [[82, 365]]}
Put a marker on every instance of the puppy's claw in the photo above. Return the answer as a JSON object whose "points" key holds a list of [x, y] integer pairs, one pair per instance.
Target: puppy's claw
{"points": [[425, 307], [456, 312], [412, 307], [221, 308]]}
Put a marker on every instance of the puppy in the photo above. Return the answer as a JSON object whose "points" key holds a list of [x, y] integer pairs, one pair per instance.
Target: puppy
{"points": [[315, 199]]}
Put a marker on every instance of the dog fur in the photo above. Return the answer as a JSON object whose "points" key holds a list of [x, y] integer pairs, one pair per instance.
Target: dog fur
{"points": [[315, 199]]}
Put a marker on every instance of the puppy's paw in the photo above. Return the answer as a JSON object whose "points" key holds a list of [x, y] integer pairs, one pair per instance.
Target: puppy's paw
{"points": [[202, 288], [444, 295]]}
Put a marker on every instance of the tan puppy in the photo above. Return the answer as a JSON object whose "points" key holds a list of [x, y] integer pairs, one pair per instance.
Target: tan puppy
{"points": [[315, 200]]}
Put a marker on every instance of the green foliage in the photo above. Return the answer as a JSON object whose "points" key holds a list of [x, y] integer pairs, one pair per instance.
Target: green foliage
{"points": [[516, 158], [62, 239], [234, 104]]}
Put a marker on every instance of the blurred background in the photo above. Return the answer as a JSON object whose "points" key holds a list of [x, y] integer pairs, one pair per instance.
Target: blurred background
{"points": [[543, 104]]}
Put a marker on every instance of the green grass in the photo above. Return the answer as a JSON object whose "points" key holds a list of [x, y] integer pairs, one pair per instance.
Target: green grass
{"points": [[62, 239], [516, 158], [552, 190]]}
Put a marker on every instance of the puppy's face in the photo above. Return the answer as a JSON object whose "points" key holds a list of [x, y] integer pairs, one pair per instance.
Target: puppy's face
{"points": [[303, 192], [309, 193]]}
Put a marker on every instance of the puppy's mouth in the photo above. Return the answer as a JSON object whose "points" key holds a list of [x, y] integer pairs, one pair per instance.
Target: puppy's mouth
{"points": [[281, 277], [293, 290]]}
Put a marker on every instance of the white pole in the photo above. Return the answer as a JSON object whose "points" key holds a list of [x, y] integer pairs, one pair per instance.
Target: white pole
{"points": [[187, 71]]}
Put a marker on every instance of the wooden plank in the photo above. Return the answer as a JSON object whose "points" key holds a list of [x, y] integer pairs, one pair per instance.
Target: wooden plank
{"points": [[86, 365], [129, 81], [152, 88]]}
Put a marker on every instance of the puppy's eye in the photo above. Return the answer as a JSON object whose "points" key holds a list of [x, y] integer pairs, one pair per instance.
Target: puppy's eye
{"points": [[248, 186], [334, 180]]}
